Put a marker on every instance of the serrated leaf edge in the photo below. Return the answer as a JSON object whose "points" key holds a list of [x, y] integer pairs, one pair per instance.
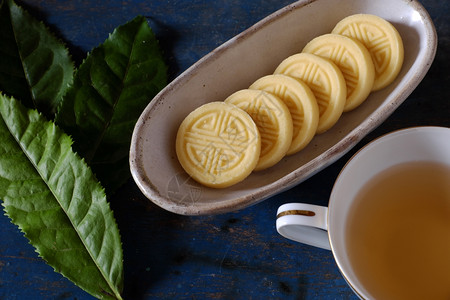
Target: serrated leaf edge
{"points": [[98, 185], [61, 42]]}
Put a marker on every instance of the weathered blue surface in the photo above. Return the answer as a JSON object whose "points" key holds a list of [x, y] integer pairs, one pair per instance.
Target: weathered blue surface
{"points": [[232, 256]]}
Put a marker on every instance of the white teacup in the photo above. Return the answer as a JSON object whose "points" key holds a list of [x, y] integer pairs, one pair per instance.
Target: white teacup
{"points": [[326, 227]]}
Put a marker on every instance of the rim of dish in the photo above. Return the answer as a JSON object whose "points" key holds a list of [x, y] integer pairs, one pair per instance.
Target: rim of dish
{"points": [[306, 170]]}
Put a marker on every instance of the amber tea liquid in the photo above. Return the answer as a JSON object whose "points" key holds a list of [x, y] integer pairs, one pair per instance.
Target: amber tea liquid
{"points": [[398, 233]]}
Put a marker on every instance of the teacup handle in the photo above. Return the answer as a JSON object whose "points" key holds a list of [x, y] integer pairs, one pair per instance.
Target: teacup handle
{"points": [[304, 223]]}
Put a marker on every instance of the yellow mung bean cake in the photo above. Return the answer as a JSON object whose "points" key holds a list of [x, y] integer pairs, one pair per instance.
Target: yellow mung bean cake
{"points": [[218, 144], [274, 122], [382, 40], [301, 103], [354, 61], [324, 79]]}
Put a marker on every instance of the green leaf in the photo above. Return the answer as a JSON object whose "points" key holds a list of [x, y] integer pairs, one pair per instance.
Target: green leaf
{"points": [[111, 88], [54, 198], [35, 67]]}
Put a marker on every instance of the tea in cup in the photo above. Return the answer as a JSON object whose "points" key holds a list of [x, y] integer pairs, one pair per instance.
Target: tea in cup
{"points": [[388, 219]]}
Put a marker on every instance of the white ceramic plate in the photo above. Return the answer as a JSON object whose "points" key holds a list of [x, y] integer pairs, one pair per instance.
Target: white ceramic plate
{"points": [[238, 63]]}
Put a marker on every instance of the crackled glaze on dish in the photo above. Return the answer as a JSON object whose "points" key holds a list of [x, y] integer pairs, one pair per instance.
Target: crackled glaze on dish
{"points": [[236, 65]]}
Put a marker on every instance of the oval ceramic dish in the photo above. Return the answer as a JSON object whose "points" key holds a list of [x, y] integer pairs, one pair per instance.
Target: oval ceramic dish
{"points": [[236, 65]]}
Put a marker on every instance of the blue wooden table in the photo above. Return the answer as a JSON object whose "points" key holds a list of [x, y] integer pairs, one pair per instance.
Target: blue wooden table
{"points": [[236, 255]]}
